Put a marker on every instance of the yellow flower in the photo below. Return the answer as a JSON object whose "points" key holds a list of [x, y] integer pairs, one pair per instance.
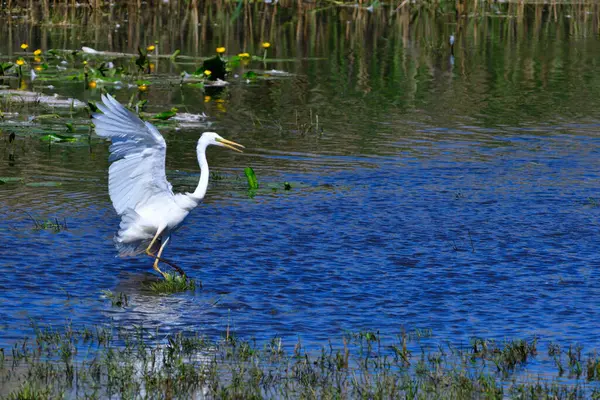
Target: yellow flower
{"points": [[24, 46], [92, 84], [244, 55], [39, 68], [220, 50], [207, 99], [84, 62], [37, 52], [207, 72], [150, 48], [266, 45], [143, 87], [152, 67], [20, 62], [37, 59]]}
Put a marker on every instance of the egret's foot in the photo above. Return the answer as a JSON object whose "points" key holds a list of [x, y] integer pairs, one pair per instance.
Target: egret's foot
{"points": [[164, 274], [170, 264], [158, 259]]}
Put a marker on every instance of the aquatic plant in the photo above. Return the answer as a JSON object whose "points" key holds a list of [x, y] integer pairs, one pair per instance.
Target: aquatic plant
{"points": [[117, 299], [165, 115], [173, 283], [124, 362], [265, 46], [52, 225], [251, 177]]}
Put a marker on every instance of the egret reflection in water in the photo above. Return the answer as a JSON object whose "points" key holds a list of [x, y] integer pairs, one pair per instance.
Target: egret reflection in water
{"points": [[137, 183]]}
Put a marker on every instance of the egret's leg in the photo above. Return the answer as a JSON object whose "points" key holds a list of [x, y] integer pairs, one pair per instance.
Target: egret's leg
{"points": [[162, 247], [159, 259], [152, 242], [148, 252]]}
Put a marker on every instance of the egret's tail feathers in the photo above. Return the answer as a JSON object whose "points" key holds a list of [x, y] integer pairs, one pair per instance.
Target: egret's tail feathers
{"points": [[131, 239], [131, 249]]}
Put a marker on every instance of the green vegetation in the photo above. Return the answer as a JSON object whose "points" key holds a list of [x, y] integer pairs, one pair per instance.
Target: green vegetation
{"points": [[251, 177], [172, 283], [117, 299], [132, 363], [51, 225]]}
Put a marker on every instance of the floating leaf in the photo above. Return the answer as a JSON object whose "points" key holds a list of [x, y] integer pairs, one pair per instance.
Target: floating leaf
{"points": [[198, 85], [165, 115], [251, 176], [234, 62], [56, 138], [5, 66], [45, 116], [249, 75], [287, 186], [43, 184], [10, 179]]}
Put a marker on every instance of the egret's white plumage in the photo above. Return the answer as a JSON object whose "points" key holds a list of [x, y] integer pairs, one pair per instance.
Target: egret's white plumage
{"points": [[137, 183]]}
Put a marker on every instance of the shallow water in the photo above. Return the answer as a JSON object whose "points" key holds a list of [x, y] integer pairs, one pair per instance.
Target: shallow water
{"points": [[456, 193]]}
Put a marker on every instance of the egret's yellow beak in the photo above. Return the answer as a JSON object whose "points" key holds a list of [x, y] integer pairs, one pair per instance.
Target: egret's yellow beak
{"points": [[229, 144]]}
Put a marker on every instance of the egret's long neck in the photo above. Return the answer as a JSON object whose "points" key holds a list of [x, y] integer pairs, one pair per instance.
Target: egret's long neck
{"points": [[203, 184]]}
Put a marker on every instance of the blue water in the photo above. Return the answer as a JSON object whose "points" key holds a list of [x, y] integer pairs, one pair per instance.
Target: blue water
{"points": [[465, 238], [449, 207]]}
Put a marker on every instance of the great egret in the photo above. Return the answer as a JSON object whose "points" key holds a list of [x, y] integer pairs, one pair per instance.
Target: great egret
{"points": [[137, 183]]}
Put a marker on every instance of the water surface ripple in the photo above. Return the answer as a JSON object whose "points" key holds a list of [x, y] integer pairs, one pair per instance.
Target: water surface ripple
{"points": [[437, 195]]}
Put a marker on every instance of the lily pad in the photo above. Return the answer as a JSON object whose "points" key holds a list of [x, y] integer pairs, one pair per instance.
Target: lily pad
{"points": [[43, 184], [56, 138], [165, 115], [9, 179]]}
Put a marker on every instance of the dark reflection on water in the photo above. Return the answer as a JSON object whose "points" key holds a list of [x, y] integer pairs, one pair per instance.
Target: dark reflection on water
{"points": [[460, 197]]}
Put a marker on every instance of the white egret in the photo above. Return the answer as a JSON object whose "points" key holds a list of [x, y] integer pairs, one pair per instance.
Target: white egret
{"points": [[137, 183]]}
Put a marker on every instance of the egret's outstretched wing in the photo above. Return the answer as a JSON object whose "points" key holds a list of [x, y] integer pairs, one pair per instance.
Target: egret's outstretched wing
{"points": [[138, 151]]}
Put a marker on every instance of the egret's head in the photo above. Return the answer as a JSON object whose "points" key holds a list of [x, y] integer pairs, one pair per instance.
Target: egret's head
{"points": [[211, 138]]}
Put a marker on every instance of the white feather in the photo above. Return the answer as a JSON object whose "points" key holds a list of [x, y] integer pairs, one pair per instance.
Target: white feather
{"points": [[138, 153]]}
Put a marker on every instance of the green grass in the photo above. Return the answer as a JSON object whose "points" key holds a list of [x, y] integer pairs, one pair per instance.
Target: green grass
{"points": [[128, 362], [173, 283]]}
